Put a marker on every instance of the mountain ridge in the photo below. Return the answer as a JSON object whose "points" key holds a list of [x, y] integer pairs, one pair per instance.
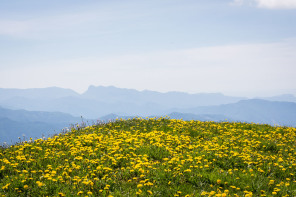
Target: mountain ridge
{"points": [[253, 110], [101, 100], [16, 123], [22, 112]]}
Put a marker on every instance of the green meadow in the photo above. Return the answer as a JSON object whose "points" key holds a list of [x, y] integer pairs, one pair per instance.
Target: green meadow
{"points": [[154, 157]]}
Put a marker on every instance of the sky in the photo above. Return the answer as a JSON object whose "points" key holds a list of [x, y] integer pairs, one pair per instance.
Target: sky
{"points": [[235, 47]]}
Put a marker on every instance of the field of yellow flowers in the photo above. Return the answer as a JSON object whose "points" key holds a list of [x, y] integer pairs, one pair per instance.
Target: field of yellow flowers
{"points": [[154, 157]]}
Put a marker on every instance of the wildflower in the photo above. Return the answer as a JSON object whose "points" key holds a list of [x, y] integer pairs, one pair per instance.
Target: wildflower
{"points": [[149, 191], [140, 185], [107, 187], [5, 186], [40, 184], [139, 192]]}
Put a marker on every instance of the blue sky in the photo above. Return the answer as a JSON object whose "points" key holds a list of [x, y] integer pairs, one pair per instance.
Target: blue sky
{"points": [[237, 47]]}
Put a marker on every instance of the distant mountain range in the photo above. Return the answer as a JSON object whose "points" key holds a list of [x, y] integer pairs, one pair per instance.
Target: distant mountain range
{"points": [[34, 112], [99, 101], [174, 115], [283, 97], [35, 124], [252, 110]]}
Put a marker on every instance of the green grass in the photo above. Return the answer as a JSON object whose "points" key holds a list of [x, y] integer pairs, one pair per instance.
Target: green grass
{"points": [[154, 157]]}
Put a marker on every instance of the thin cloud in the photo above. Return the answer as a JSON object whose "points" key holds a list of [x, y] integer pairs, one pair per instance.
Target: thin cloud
{"points": [[14, 27], [62, 24], [268, 4], [45, 26], [277, 4]]}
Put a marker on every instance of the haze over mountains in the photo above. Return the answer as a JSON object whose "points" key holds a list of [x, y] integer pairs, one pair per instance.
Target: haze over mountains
{"points": [[99, 101], [26, 124], [34, 112]]}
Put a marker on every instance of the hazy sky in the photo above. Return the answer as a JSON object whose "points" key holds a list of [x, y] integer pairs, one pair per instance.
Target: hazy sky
{"points": [[237, 47]]}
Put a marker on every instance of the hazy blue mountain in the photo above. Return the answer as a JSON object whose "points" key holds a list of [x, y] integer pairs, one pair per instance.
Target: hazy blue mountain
{"points": [[38, 99], [36, 93], [16, 123], [41, 108], [283, 97], [168, 100], [99, 101], [253, 110], [11, 131], [35, 116], [87, 108]]}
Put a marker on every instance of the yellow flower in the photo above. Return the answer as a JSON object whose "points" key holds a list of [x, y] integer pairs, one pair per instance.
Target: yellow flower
{"points": [[271, 182], [139, 192], [40, 184], [149, 191]]}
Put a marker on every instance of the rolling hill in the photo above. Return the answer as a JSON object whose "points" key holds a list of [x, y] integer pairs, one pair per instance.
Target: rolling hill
{"points": [[154, 157]]}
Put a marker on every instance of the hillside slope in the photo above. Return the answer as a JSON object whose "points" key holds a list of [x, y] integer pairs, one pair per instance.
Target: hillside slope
{"points": [[155, 157]]}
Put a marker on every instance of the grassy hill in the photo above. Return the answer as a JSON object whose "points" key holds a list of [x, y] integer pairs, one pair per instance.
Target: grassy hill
{"points": [[154, 157]]}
